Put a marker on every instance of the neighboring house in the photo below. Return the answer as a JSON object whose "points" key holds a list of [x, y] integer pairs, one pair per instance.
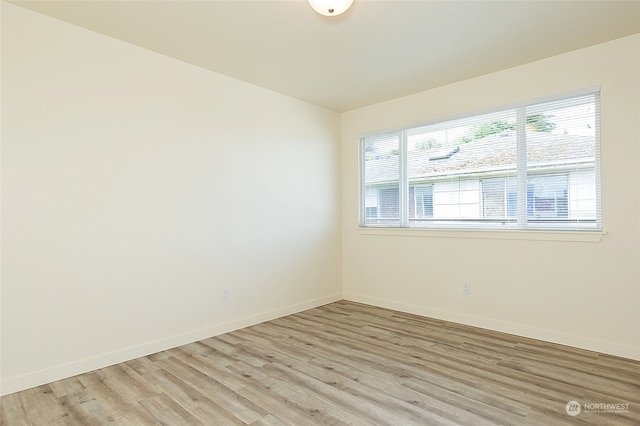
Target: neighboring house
{"points": [[476, 181]]}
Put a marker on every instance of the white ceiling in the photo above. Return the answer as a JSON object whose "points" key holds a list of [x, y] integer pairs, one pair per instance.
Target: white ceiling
{"points": [[378, 50]]}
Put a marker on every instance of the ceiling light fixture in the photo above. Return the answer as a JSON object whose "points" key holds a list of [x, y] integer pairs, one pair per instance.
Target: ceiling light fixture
{"points": [[330, 7]]}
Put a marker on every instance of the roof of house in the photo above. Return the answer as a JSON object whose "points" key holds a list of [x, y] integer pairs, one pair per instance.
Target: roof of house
{"points": [[489, 153]]}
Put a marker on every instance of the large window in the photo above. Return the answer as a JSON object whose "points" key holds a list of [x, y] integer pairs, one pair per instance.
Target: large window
{"points": [[533, 166]]}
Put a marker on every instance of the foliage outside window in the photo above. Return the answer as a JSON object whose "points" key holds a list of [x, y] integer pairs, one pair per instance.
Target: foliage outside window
{"points": [[534, 166]]}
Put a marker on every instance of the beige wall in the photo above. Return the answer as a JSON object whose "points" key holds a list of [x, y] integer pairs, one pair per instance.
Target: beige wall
{"points": [[585, 294], [136, 187]]}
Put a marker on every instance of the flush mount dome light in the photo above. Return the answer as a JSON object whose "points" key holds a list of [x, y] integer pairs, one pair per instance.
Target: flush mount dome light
{"points": [[330, 7]]}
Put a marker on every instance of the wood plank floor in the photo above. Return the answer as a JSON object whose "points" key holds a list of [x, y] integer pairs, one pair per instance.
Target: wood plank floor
{"points": [[345, 364]]}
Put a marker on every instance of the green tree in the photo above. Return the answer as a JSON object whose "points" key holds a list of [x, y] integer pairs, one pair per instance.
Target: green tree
{"points": [[538, 122], [428, 144], [486, 129], [541, 123]]}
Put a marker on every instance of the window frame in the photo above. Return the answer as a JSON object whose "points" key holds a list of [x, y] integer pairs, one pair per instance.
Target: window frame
{"points": [[526, 224]]}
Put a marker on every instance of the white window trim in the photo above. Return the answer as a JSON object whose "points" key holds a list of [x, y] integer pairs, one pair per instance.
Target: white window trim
{"points": [[491, 234]]}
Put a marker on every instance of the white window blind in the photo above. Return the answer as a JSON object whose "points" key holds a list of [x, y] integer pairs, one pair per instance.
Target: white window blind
{"points": [[532, 166]]}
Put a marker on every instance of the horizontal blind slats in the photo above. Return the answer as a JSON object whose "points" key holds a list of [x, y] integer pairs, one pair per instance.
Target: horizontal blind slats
{"points": [[464, 171]]}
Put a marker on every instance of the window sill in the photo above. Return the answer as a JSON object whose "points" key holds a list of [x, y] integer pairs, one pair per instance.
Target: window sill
{"points": [[531, 235]]}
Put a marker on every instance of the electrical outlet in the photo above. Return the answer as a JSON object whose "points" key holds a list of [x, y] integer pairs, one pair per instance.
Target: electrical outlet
{"points": [[225, 295], [466, 289]]}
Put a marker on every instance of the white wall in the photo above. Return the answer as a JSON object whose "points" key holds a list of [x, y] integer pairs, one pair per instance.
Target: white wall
{"points": [[585, 294], [136, 187]]}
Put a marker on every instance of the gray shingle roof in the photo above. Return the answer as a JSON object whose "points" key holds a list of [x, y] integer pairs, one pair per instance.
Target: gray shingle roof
{"points": [[489, 153]]}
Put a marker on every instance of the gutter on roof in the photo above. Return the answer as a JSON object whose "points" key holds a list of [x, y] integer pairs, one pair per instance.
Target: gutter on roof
{"points": [[446, 156]]}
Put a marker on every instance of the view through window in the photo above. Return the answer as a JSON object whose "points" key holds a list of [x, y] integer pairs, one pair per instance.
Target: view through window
{"points": [[534, 166]]}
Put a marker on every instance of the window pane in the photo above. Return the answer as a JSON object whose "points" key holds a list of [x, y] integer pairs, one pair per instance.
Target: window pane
{"points": [[452, 158], [381, 179], [561, 160]]}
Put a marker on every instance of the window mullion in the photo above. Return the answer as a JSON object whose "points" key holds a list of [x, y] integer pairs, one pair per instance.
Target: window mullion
{"points": [[521, 165], [404, 183], [362, 183]]}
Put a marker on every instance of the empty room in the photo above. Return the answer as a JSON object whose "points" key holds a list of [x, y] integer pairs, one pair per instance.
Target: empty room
{"points": [[337, 212]]}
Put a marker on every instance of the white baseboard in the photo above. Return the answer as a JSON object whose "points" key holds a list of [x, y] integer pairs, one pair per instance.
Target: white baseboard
{"points": [[59, 372], [552, 336]]}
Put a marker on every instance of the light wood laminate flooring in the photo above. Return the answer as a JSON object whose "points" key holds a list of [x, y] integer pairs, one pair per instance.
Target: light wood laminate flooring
{"points": [[346, 364]]}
